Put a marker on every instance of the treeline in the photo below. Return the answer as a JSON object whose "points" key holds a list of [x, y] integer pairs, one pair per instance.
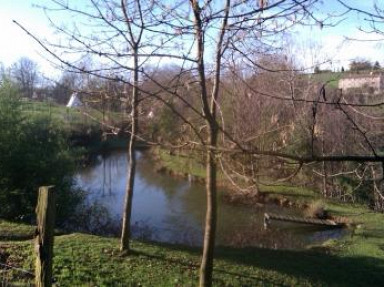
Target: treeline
{"points": [[255, 112], [284, 112], [357, 65]]}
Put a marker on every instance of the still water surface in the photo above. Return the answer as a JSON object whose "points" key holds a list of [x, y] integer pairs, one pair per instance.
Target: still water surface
{"points": [[168, 209]]}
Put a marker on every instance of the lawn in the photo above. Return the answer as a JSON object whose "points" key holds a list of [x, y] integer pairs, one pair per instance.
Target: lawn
{"points": [[87, 260], [71, 118], [330, 78]]}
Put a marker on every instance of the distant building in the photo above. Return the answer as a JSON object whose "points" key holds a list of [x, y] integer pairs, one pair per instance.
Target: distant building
{"points": [[368, 81], [74, 101]]}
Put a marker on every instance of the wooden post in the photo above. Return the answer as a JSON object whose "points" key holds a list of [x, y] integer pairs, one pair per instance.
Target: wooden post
{"points": [[45, 211]]}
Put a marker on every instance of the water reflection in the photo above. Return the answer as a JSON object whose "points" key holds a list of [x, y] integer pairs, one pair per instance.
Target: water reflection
{"points": [[172, 210]]}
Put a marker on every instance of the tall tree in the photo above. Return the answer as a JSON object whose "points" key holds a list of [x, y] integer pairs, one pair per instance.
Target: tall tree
{"points": [[117, 38], [206, 39], [25, 73], [133, 22], [220, 31], [209, 112], [64, 87]]}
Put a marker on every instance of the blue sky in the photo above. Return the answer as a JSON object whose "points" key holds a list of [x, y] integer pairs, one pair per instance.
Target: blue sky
{"points": [[328, 42], [15, 43]]}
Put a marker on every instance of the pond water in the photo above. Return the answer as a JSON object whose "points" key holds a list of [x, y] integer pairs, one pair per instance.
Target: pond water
{"points": [[172, 210]]}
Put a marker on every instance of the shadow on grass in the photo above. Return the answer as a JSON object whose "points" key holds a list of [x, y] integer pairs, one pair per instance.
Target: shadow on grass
{"points": [[188, 264], [373, 233], [315, 266]]}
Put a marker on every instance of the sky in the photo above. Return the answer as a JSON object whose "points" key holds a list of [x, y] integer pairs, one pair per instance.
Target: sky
{"points": [[327, 43], [14, 42]]}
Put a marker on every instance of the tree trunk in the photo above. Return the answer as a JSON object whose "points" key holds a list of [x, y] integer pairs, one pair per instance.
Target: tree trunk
{"points": [[126, 227], [324, 166], [206, 268]]}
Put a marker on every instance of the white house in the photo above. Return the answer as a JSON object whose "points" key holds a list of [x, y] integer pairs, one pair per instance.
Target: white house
{"points": [[365, 80], [74, 101]]}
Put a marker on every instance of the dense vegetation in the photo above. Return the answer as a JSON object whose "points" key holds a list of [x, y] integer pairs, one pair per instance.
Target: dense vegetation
{"points": [[254, 111], [257, 114], [34, 151]]}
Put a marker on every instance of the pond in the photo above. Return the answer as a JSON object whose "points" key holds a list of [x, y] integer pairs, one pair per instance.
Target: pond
{"points": [[168, 209]]}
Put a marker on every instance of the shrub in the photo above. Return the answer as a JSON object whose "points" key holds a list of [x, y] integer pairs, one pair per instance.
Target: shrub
{"points": [[32, 153], [316, 209]]}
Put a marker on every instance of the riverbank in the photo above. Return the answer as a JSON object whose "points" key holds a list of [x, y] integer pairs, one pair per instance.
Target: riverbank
{"points": [[366, 239], [188, 167], [86, 260]]}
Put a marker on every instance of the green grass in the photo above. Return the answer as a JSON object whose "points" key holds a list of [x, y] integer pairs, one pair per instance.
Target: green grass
{"points": [[288, 190], [85, 260], [12, 230], [332, 78], [69, 118], [368, 227], [183, 164]]}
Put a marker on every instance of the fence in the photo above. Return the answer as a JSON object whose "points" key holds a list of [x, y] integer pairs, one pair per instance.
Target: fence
{"points": [[45, 217], [83, 260]]}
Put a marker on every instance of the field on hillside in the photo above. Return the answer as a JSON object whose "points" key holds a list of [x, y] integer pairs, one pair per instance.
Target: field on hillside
{"points": [[71, 118]]}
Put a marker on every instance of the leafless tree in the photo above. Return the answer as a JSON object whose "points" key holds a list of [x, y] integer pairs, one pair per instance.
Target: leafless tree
{"points": [[218, 31], [207, 40], [117, 36], [373, 13], [25, 73]]}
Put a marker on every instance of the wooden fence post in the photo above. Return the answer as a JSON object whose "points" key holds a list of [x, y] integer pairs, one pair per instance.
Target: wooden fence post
{"points": [[45, 211]]}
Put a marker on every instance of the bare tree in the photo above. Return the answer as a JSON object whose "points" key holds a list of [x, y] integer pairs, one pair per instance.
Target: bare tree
{"points": [[116, 37], [205, 39], [219, 31], [374, 16], [25, 73], [133, 22], [64, 87]]}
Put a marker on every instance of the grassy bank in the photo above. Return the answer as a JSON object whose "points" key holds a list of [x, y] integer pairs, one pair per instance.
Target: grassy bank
{"points": [[86, 260], [71, 119], [366, 238], [184, 165], [181, 164]]}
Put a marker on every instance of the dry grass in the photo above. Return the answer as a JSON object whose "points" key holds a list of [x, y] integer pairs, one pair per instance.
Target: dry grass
{"points": [[316, 209]]}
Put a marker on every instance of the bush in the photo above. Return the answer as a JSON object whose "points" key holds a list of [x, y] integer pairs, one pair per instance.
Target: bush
{"points": [[32, 153], [316, 209]]}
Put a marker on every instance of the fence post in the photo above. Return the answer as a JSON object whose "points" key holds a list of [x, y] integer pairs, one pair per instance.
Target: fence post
{"points": [[45, 212]]}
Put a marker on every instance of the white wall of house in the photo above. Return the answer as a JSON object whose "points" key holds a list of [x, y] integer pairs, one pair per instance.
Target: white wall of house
{"points": [[375, 81], [74, 101]]}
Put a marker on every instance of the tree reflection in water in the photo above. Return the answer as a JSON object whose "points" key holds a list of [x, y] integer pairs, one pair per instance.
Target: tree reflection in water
{"points": [[168, 209]]}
